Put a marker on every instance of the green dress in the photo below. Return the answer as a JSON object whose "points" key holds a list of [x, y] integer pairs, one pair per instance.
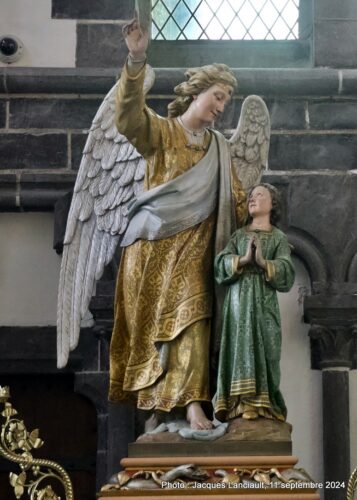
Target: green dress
{"points": [[248, 370]]}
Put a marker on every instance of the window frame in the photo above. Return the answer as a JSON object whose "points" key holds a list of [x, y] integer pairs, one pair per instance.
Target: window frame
{"points": [[240, 53]]}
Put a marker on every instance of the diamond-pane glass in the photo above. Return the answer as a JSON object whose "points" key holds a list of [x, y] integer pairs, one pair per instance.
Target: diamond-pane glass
{"points": [[182, 13], [171, 31], [204, 14], [225, 19], [215, 28]]}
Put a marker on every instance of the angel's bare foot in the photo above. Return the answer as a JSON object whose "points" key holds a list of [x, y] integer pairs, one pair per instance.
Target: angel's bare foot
{"points": [[197, 418], [152, 422]]}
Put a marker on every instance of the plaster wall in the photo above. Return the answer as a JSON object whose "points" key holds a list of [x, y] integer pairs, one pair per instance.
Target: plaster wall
{"points": [[29, 270], [353, 418], [301, 386], [47, 42]]}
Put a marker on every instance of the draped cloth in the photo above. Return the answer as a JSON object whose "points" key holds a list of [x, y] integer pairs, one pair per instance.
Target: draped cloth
{"points": [[178, 204], [248, 370], [165, 286]]}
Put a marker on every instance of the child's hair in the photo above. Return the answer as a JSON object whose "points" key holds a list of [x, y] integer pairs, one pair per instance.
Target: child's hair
{"points": [[275, 213], [199, 80]]}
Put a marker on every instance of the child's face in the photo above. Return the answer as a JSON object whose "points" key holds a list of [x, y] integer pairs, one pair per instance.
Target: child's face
{"points": [[259, 202]]}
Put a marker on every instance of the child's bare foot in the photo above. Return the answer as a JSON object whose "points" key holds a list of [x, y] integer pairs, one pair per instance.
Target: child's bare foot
{"points": [[197, 418]]}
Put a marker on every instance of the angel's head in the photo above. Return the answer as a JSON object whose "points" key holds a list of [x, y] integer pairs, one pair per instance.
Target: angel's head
{"points": [[264, 199], [214, 80]]}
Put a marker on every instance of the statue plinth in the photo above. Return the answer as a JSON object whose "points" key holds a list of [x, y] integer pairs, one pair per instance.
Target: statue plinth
{"points": [[233, 466]]}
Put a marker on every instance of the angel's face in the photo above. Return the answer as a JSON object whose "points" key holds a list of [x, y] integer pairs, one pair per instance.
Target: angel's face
{"points": [[259, 202], [210, 103]]}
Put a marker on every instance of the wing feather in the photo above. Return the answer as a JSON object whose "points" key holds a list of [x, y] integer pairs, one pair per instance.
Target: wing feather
{"points": [[127, 176], [140, 170], [118, 169], [250, 141], [79, 276], [107, 180], [65, 297]]}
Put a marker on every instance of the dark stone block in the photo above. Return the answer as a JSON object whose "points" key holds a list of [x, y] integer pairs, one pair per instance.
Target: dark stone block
{"points": [[330, 9], [102, 430], [349, 82], [58, 80], [8, 192], [93, 9], [287, 82], [33, 191], [101, 469], [234, 53], [2, 114], [336, 422], [229, 118], [19, 151], [319, 204], [335, 43], [313, 152], [287, 114], [61, 211], [159, 105], [121, 429], [274, 83], [333, 115], [40, 191], [33, 350], [53, 113], [100, 45], [94, 386], [78, 142]]}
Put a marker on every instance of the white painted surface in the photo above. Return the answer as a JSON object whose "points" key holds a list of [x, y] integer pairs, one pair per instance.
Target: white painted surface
{"points": [[29, 270], [47, 42], [301, 386], [353, 418]]}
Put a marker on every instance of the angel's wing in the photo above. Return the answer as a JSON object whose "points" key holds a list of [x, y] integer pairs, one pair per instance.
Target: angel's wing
{"points": [[250, 141], [111, 173]]}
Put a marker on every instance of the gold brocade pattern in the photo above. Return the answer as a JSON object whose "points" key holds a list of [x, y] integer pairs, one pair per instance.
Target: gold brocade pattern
{"points": [[167, 293]]}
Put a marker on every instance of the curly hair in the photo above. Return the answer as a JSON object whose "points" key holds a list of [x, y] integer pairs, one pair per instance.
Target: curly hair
{"points": [[199, 80], [275, 214]]}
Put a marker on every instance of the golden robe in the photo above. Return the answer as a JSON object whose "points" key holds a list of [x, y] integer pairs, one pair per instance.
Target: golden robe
{"points": [[165, 287]]}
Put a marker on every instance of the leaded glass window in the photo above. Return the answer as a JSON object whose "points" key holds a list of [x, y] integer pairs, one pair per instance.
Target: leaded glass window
{"points": [[225, 19]]}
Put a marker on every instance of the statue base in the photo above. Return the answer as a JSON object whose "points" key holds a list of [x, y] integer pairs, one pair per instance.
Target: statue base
{"points": [[250, 461], [214, 486]]}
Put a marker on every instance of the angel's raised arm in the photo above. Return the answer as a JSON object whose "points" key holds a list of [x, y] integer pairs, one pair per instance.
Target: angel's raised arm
{"points": [[134, 119]]}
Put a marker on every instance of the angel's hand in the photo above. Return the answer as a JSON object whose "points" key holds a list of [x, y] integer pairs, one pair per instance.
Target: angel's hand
{"points": [[136, 39], [259, 259], [248, 257]]}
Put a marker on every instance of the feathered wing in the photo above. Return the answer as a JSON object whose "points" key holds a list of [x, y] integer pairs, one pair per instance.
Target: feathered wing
{"points": [[110, 175], [250, 142]]}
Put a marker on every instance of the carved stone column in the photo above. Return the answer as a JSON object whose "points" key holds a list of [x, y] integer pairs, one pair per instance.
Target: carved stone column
{"points": [[333, 320]]}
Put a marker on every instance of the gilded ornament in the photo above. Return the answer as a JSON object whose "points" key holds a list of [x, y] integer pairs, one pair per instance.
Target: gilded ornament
{"points": [[352, 485], [16, 444], [4, 394]]}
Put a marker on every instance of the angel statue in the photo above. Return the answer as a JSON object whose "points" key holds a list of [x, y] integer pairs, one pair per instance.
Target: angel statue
{"points": [[167, 191]]}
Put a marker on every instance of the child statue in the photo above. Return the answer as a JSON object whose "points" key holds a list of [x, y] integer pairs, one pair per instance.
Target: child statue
{"points": [[255, 265]]}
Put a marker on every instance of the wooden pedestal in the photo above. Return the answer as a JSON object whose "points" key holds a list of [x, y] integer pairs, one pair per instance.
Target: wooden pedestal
{"points": [[213, 487]]}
